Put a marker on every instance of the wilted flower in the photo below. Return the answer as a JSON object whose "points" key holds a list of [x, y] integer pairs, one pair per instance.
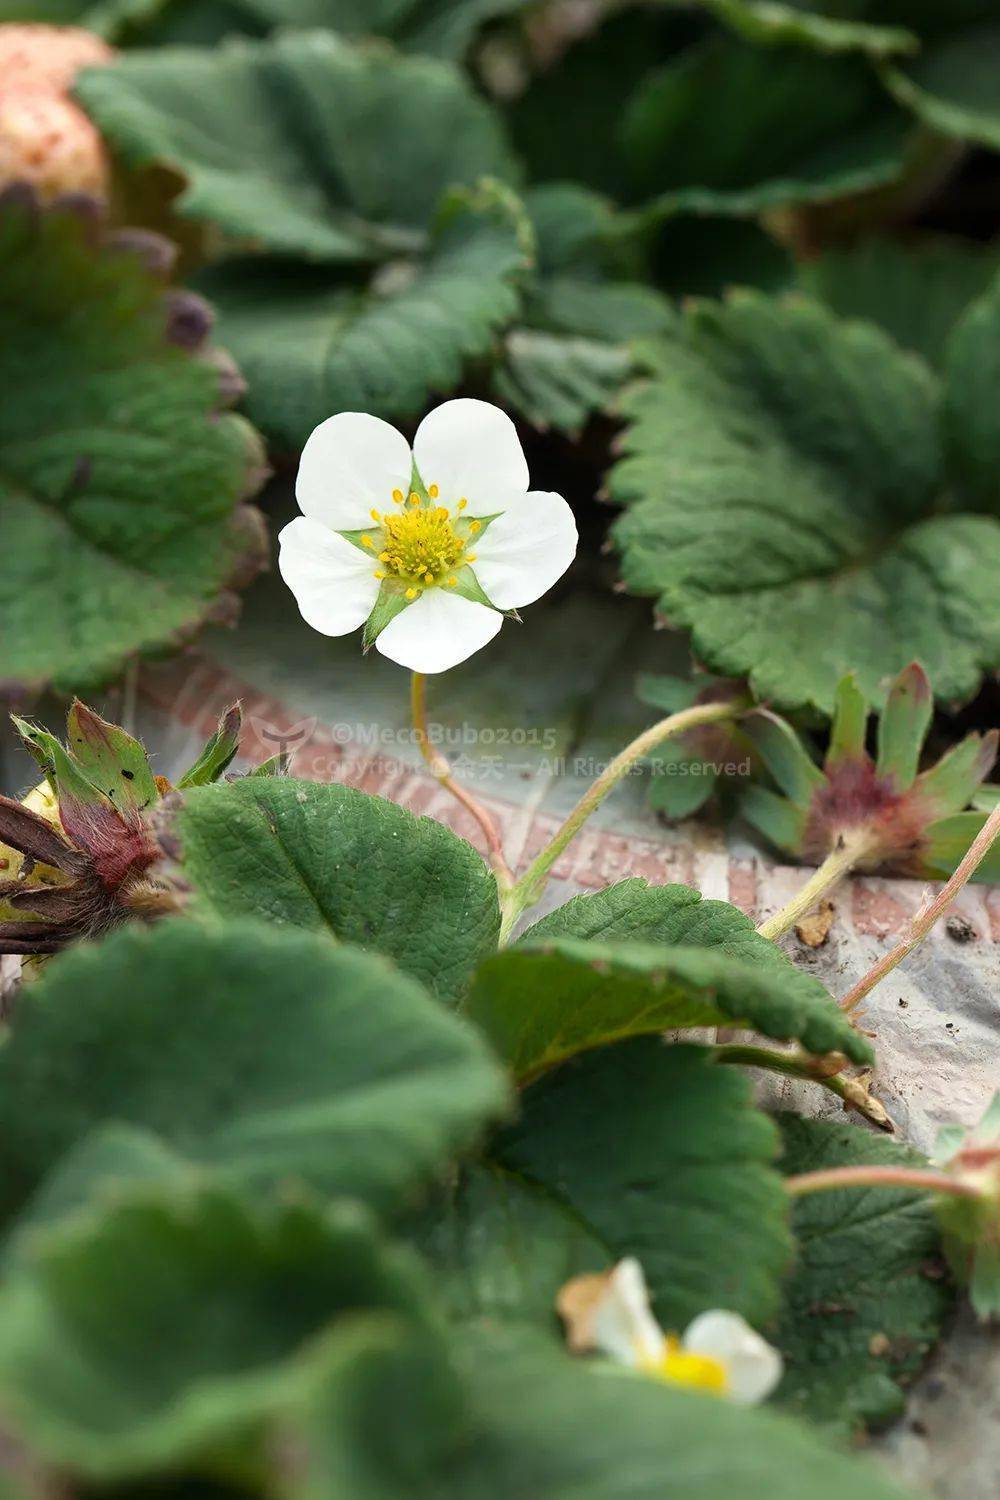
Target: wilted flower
{"points": [[427, 549], [719, 1352]]}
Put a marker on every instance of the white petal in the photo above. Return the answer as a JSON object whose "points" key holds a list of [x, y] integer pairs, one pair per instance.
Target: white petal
{"points": [[471, 451], [524, 551], [753, 1367], [334, 583], [350, 465], [622, 1324], [437, 631]]}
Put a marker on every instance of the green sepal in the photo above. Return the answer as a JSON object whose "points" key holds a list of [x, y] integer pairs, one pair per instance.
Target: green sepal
{"points": [[903, 725], [680, 793], [947, 842], [784, 755], [850, 719], [218, 753], [468, 585], [391, 602], [986, 798], [111, 758], [947, 787], [64, 774], [276, 766], [780, 821]]}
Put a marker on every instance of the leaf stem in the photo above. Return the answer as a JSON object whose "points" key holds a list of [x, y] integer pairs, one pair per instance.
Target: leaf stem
{"points": [[529, 887], [800, 1065], [441, 770], [925, 918], [838, 863], [832, 1178]]}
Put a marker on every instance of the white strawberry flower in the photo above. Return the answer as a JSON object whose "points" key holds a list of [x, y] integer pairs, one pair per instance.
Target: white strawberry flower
{"points": [[427, 549], [719, 1351]]}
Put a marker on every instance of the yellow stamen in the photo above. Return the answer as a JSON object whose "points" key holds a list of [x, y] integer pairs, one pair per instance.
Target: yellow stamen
{"points": [[375, 515], [679, 1366], [379, 573], [441, 513], [462, 503], [433, 492], [452, 582], [385, 557], [470, 557], [474, 525], [397, 496], [428, 577], [414, 498], [366, 541], [411, 593]]}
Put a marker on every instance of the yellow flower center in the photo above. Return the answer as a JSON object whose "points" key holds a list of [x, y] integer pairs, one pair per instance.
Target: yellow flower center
{"points": [[421, 544], [680, 1367]]}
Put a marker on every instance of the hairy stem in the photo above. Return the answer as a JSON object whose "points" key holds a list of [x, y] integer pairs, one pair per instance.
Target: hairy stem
{"points": [[529, 888], [441, 770], [924, 920], [832, 1178], [800, 1065], [838, 863]]}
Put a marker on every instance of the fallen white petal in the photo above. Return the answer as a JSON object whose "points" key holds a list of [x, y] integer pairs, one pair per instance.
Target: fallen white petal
{"points": [[752, 1366], [622, 1323], [522, 553], [333, 582], [437, 631], [471, 451], [350, 465]]}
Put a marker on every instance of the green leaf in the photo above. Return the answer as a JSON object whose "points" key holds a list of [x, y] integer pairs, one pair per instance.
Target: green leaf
{"points": [[256, 1054], [501, 1247], [915, 290], [312, 342], [169, 1327], [122, 480], [787, 127], [972, 375], [867, 1299], [773, 22], [678, 916], [334, 860], [569, 354], [661, 1155], [535, 1423], [952, 85], [784, 477], [219, 752], [304, 145]]}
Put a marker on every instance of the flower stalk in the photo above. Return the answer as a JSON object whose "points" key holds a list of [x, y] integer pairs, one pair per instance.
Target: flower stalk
{"points": [[924, 920], [830, 1179], [838, 863], [528, 889], [441, 770], [851, 1091]]}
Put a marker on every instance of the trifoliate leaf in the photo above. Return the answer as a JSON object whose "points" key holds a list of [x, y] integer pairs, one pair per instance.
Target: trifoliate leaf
{"points": [[334, 860], [170, 1326], [639, 931], [122, 478], [256, 1054], [304, 145], [915, 291], [787, 127], [313, 342], [868, 1296], [659, 1154], [536, 1423], [785, 482], [546, 1000], [568, 354]]}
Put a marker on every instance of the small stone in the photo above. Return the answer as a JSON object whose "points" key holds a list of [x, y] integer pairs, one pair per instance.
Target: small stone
{"points": [[878, 1346], [814, 929], [960, 930]]}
